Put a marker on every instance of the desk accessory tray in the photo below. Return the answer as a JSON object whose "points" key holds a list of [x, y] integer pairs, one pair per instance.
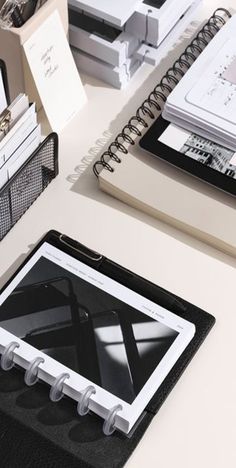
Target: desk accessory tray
{"points": [[28, 183]]}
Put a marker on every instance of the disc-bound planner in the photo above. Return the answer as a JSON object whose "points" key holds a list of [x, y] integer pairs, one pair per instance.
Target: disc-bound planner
{"points": [[133, 176], [86, 333]]}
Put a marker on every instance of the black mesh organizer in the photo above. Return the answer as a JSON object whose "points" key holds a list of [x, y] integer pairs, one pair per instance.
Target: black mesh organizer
{"points": [[28, 183]]}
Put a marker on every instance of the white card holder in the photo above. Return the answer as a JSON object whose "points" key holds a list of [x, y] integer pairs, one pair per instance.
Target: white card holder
{"points": [[11, 49], [151, 24]]}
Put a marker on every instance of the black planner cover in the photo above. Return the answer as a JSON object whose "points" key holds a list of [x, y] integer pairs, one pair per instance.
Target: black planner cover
{"points": [[36, 433]]}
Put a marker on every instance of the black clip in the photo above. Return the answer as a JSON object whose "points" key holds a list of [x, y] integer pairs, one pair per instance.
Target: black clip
{"points": [[80, 248]]}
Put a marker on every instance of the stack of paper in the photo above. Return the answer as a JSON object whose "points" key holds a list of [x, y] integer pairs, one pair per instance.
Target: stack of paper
{"points": [[204, 101], [20, 135], [111, 40]]}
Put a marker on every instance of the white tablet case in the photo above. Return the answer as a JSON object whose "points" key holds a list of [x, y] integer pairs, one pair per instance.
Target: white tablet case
{"points": [[115, 76], [116, 12], [114, 53], [151, 24], [153, 55]]}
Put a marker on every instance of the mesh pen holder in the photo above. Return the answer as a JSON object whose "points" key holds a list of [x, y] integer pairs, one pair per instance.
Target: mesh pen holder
{"points": [[28, 183]]}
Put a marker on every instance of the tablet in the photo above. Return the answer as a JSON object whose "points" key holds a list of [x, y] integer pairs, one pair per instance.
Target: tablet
{"points": [[198, 156], [67, 313]]}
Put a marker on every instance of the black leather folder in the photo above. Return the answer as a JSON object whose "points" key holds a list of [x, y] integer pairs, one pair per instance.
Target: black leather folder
{"points": [[37, 433]]}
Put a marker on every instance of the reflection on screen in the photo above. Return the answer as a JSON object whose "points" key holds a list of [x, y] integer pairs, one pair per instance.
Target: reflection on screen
{"points": [[86, 329]]}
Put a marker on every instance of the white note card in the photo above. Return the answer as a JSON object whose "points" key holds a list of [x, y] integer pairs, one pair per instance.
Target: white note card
{"points": [[54, 72]]}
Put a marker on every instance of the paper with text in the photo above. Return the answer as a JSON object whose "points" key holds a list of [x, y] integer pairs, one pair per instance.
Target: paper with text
{"points": [[54, 72], [216, 91]]}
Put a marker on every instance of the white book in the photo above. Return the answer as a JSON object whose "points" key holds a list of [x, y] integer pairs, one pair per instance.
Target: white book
{"points": [[18, 133], [27, 149], [118, 77], [205, 99], [21, 155], [115, 12], [152, 21], [100, 40], [153, 55], [17, 108]]}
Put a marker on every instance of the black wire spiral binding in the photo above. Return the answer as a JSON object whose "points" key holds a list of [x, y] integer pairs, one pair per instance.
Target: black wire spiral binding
{"points": [[159, 94]]}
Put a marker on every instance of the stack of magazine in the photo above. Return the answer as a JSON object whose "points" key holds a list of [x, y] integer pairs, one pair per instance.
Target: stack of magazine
{"points": [[111, 40]]}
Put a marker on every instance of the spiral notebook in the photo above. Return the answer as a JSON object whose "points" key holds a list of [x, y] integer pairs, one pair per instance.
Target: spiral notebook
{"points": [[129, 174], [70, 309]]}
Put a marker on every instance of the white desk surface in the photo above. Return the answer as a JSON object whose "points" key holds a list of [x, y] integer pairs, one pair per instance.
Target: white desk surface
{"points": [[196, 426]]}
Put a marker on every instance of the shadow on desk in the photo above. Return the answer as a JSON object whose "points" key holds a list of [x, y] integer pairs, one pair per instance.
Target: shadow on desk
{"points": [[38, 433]]}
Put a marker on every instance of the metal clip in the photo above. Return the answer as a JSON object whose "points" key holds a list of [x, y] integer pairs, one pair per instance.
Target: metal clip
{"points": [[88, 253], [5, 119]]}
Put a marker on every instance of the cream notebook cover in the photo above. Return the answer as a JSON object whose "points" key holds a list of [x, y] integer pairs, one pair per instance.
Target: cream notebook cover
{"points": [[130, 175]]}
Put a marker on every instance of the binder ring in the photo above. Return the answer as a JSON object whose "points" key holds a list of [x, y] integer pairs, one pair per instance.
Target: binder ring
{"points": [[83, 404], [109, 425], [56, 392], [31, 374], [7, 359]]}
